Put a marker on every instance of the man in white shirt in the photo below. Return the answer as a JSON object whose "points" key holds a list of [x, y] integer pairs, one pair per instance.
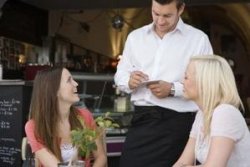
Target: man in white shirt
{"points": [[159, 52]]}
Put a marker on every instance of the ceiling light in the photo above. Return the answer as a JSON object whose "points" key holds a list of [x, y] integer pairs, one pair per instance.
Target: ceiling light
{"points": [[117, 22]]}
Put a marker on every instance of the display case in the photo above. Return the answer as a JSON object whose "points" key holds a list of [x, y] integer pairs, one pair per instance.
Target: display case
{"points": [[99, 94], [97, 91]]}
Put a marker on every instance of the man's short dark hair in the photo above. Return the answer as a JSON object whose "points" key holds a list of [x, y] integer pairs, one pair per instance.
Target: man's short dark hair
{"points": [[179, 3]]}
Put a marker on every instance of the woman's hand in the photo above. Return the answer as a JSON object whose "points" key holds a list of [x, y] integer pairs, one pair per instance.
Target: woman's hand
{"points": [[46, 158], [100, 156]]}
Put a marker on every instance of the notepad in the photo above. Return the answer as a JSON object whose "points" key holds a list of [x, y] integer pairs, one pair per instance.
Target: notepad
{"points": [[146, 83]]}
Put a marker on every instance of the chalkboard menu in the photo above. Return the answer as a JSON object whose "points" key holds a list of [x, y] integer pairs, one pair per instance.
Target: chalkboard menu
{"points": [[11, 125]]}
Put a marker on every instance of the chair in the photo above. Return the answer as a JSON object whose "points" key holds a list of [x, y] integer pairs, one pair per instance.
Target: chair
{"points": [[26, 154]]}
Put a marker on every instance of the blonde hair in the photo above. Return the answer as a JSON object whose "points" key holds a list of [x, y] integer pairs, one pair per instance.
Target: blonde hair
{"points": [[216, 85]]}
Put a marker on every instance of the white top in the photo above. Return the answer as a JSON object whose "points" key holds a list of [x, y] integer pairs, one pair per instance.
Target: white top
{"points": [[67, 151], [227, 121], [162, 59]]}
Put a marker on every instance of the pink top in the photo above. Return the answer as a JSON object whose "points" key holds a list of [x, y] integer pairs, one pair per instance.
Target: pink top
{"points": [[36, 145]]}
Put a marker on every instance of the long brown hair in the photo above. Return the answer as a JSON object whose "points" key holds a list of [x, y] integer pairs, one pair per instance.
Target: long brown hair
{"points": [[44, 109]]}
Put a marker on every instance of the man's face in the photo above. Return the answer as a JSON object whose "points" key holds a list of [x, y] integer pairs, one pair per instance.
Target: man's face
{"points": [[165, 17]]}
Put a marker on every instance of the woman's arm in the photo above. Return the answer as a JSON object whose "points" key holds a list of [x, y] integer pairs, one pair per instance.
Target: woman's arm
{"points": [[219, 152], [100, 156], [217, 157], [42, 155], [188, 156], [47, 159]]}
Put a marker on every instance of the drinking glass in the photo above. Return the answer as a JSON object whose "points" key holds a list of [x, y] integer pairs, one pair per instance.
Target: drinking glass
{"points": [[78, 163]]}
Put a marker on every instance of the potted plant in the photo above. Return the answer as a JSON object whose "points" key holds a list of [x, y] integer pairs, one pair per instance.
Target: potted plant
{"points": [[84, 139]]}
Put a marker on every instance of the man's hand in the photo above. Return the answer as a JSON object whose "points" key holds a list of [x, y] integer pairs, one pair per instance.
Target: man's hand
{"points": [[136, 78], [160, 89]]}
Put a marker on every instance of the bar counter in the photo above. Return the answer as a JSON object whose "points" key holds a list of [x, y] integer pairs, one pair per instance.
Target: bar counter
{"points": [[8, 82]]}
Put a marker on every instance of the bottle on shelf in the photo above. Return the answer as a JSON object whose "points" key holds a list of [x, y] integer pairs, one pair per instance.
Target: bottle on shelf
{"points": [[121, 101], [1, 71]]}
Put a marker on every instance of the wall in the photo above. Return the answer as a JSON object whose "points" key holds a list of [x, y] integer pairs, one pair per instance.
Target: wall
{"points": [[102, 37], [23, 22]]}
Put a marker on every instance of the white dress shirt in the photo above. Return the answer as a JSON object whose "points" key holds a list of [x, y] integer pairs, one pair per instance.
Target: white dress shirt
{"points": [[161, 59]]}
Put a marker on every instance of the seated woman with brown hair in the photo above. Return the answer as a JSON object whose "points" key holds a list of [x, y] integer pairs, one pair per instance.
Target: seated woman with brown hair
{"points": [[52, 118]]}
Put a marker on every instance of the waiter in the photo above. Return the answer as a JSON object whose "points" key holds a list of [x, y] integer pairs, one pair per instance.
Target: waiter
{"points": [[159, 52]]}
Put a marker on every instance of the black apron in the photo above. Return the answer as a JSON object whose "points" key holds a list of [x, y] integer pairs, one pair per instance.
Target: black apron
{"points": [[156, 138]]}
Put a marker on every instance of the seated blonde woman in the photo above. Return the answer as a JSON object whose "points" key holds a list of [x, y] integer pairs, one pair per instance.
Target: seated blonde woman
{"points": [[219, 136], [53, 117]]}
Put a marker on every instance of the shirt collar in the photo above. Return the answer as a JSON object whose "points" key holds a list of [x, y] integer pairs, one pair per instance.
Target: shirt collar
{"points": [[179, 27], [150, 27]]}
